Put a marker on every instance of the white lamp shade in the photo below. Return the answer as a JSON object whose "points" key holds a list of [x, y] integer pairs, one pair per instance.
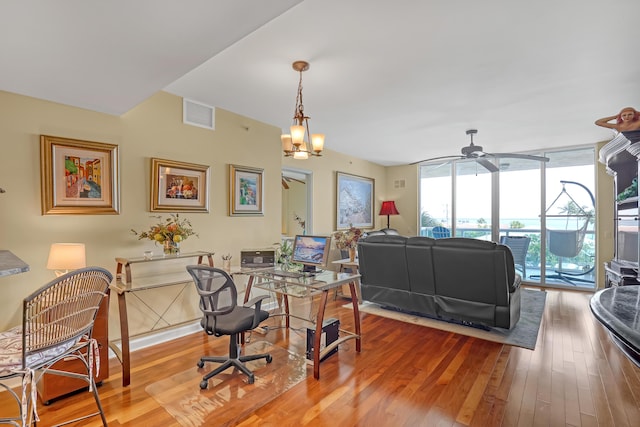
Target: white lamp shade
{"points": [[297, 134], [317, 142], [300, 155], [66, 256], [286, 142]]}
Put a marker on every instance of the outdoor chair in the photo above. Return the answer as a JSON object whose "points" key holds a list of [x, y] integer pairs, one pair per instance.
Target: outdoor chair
{"points": [[519, 246], [440, 232], [57, 324]]}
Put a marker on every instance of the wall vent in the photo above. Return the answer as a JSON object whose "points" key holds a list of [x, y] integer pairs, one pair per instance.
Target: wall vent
{"points": [[197, 114], [399, 183]]}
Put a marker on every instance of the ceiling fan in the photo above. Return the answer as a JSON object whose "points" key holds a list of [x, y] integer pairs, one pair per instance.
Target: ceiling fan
{"points": [[475, 152], [287, 179]]}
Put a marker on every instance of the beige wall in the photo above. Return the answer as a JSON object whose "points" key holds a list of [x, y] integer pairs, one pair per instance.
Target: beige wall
{"points": [[294, 202], [323, 185], [152, 129], [155, 129]]}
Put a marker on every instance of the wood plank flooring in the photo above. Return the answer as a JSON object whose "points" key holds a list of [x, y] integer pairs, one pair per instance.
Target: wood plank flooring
{"points": [[408, 375]]}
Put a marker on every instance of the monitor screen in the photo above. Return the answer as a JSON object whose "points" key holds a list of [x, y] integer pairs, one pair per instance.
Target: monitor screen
{"points": [[311, 251]]}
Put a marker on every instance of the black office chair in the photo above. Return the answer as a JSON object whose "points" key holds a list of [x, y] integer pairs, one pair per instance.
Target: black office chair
{"points": [[222, 316]]}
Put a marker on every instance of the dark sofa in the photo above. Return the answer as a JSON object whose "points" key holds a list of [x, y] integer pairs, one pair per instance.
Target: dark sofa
{"points": [[459, 279]]}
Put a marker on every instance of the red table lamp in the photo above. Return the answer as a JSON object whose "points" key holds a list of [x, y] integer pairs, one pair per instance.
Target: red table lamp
{"points": [[389, 208]]}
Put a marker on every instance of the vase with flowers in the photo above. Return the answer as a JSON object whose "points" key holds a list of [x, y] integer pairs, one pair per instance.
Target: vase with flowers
{"points": [[169, 232], [348, 240]]}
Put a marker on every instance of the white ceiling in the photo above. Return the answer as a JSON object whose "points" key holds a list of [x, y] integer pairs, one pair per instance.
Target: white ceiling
{"points": [[390, 81]]}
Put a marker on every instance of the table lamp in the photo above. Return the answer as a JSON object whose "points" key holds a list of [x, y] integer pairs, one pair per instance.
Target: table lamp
{"points": [[388, 208], [64, 257]]}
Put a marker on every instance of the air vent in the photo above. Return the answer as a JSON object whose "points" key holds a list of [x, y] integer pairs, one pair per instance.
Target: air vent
{"points": [[399, 183], [197, 114]]}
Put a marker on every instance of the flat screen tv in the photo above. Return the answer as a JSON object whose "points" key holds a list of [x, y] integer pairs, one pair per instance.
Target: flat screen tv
{"points": [[311, 251]]}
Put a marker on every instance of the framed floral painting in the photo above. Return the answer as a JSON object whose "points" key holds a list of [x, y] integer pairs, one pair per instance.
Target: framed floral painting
{"points": [[179, 186], [354, 201], [78, 177], [246, 191]]}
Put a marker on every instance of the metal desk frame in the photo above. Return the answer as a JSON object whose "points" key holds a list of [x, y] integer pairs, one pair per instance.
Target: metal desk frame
{"points": [[309, 286], [125, 285]]}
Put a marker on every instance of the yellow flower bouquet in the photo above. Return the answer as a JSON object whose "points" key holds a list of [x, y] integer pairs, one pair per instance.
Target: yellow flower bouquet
{"points": [[348, 240], [170, 232]]}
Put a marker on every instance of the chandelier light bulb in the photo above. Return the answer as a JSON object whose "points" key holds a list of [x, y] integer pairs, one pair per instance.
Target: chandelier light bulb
{"points": [[317, 142], [297, 135]]}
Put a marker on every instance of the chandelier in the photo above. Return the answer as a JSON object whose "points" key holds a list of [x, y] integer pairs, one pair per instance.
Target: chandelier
{"points": [[294, 144]]}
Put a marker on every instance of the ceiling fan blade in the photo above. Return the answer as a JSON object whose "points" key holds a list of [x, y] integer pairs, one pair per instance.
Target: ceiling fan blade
{"points": [[487, 164], [518, 156], [439, 158]]}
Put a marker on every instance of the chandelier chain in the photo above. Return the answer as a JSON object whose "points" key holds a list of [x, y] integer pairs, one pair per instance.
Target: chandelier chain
{"points": [[299, 110]]}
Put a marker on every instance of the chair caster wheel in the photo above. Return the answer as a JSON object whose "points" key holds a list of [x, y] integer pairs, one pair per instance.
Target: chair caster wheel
{"points": [[252, 378], [204, 385], [269, 358], [200, 364]]}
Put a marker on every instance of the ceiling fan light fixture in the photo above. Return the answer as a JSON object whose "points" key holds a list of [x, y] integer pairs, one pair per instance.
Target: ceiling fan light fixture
{"points": [[294, 144], [475, 152]]}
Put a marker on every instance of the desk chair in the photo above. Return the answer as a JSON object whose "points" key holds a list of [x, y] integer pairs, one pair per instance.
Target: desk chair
{"points": [[57, 323], [222, 316]]}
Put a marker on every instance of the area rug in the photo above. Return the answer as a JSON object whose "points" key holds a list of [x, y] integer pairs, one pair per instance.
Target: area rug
{"points": [[229, 398], [523, 334]]}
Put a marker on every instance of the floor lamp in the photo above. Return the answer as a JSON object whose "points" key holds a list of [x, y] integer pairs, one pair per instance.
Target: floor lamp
{"points": [[389, 208]]}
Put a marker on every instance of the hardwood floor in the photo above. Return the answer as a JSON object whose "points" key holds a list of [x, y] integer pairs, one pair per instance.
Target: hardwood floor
{"points": [[408, 375]]}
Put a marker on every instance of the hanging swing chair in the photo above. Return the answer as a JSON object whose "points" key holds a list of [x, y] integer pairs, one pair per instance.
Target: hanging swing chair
{"points": [[568, 243]]}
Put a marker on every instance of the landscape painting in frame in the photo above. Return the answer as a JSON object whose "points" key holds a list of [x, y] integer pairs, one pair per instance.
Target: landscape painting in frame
{"points": [[179, 186], [245, 191], [78, 177], [354, 202]]}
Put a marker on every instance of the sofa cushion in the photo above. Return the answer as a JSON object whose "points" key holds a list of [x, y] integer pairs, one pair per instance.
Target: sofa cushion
{"points": [[420, 265], [376, 254]]}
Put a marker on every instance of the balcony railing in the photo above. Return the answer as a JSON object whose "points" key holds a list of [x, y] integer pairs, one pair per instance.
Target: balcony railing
{"points": [[579, 267]]}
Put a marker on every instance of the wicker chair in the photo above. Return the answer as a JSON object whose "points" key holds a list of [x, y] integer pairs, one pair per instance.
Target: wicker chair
{"points": [[57, 323]]}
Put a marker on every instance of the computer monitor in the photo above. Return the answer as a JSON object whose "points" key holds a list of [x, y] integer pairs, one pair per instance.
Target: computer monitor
{"points": [[311, 251]]}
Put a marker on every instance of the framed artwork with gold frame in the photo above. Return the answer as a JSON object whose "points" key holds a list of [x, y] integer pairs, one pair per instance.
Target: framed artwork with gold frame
{"points": [[246, 191], [179, 186], [78, 177]]}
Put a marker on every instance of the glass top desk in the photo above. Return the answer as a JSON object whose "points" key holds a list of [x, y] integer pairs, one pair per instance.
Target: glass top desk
{"points": [[305, 286], [125, 284]]}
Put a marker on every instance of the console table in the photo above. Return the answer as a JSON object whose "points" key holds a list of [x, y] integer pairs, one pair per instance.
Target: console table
{"points": [[274, 280], [618, 309], [124, 284]]}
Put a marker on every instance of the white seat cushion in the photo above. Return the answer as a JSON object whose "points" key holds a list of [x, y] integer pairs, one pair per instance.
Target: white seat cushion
{"points": [[11, 352]]}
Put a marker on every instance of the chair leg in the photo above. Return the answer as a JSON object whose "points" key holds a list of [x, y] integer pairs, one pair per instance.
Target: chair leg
{"points": [[233, 360], [98, 404]]}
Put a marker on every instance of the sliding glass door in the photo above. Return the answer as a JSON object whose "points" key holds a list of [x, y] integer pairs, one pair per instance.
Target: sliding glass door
{"points": [[473, 200], [545, 209]]}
